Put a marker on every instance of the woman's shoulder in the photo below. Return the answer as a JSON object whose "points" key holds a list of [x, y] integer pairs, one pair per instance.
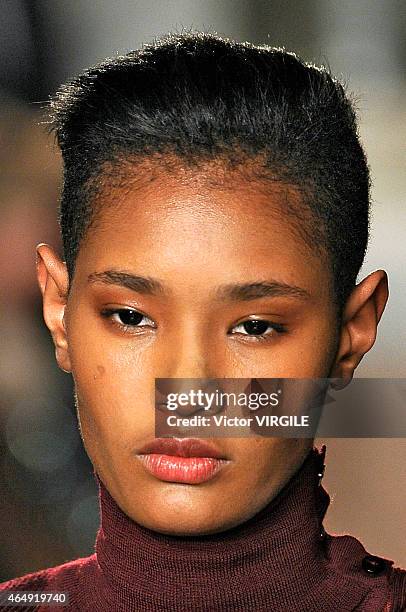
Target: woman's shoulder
{"points": [[52, 577], [348, 556], [398, 587]]}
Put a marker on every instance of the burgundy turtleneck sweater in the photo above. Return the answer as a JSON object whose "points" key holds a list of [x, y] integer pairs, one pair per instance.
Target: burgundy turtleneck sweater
{"points": [[280, 560]]}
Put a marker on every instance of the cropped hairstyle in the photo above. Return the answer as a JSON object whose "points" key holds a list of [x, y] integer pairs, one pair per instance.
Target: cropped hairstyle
{"points": [[200, 97]]}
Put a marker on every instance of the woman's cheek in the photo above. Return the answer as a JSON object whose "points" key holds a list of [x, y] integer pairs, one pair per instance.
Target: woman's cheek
{"points": [[115, 400]]}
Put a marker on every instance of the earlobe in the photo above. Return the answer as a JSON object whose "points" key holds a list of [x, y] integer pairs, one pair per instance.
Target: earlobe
{"points": [[361, 316], [54, 284]]}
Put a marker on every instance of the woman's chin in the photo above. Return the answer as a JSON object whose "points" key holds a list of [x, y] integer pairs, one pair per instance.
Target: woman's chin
{"points": [[184, 525], [181, 515]]}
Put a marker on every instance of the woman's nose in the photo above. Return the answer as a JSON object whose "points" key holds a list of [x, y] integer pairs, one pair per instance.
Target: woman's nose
{"points": [[189, 364], [190, 353]]}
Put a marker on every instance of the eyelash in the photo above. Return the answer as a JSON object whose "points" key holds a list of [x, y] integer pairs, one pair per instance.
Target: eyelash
{"points": [[276, 327], [123, 326]]}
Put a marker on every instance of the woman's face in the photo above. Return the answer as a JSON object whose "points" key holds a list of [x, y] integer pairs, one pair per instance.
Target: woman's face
{"points": [[192, 239]]}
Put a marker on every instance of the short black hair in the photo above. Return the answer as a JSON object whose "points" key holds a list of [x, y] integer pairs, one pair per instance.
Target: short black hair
{"points": [[200, 97]]}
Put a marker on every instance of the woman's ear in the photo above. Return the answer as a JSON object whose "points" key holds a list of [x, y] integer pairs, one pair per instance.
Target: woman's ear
{"points": [[361, 316], [53, 282]]}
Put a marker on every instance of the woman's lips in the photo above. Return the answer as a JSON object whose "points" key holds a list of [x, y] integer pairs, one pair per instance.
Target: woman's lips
{"points": [[189, 470], [187, 460]]}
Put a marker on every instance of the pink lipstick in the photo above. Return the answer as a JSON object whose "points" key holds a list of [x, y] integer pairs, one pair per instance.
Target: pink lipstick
{"points": [[188, 460]]}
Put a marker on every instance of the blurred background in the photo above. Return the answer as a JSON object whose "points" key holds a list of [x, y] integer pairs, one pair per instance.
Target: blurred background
{"points": [[48, 496]]}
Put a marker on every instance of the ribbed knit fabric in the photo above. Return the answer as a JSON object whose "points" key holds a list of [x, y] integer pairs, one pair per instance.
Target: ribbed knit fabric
{"points": [[279, 561]]}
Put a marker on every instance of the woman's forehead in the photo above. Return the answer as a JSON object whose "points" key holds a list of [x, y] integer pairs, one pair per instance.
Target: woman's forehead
{"points": [[206, 194], [183, 232]]}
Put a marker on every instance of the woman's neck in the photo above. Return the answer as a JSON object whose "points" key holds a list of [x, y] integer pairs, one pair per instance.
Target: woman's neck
{"points": [[278, 553]]}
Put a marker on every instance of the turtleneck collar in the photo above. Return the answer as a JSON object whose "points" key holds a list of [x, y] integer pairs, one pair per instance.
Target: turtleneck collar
{"points": [[275, 560]]}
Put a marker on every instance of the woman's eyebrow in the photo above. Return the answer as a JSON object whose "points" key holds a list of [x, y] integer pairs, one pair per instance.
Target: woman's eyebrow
{"points": [[135, 282], [259, 289], [227, 292]]}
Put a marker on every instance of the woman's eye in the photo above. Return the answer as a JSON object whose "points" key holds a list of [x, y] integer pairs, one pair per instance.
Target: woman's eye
{"points": [[128, 318], [258, 328]]}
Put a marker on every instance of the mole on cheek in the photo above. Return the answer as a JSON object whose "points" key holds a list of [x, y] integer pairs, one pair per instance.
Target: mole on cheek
{"points": [[101, 370]]}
